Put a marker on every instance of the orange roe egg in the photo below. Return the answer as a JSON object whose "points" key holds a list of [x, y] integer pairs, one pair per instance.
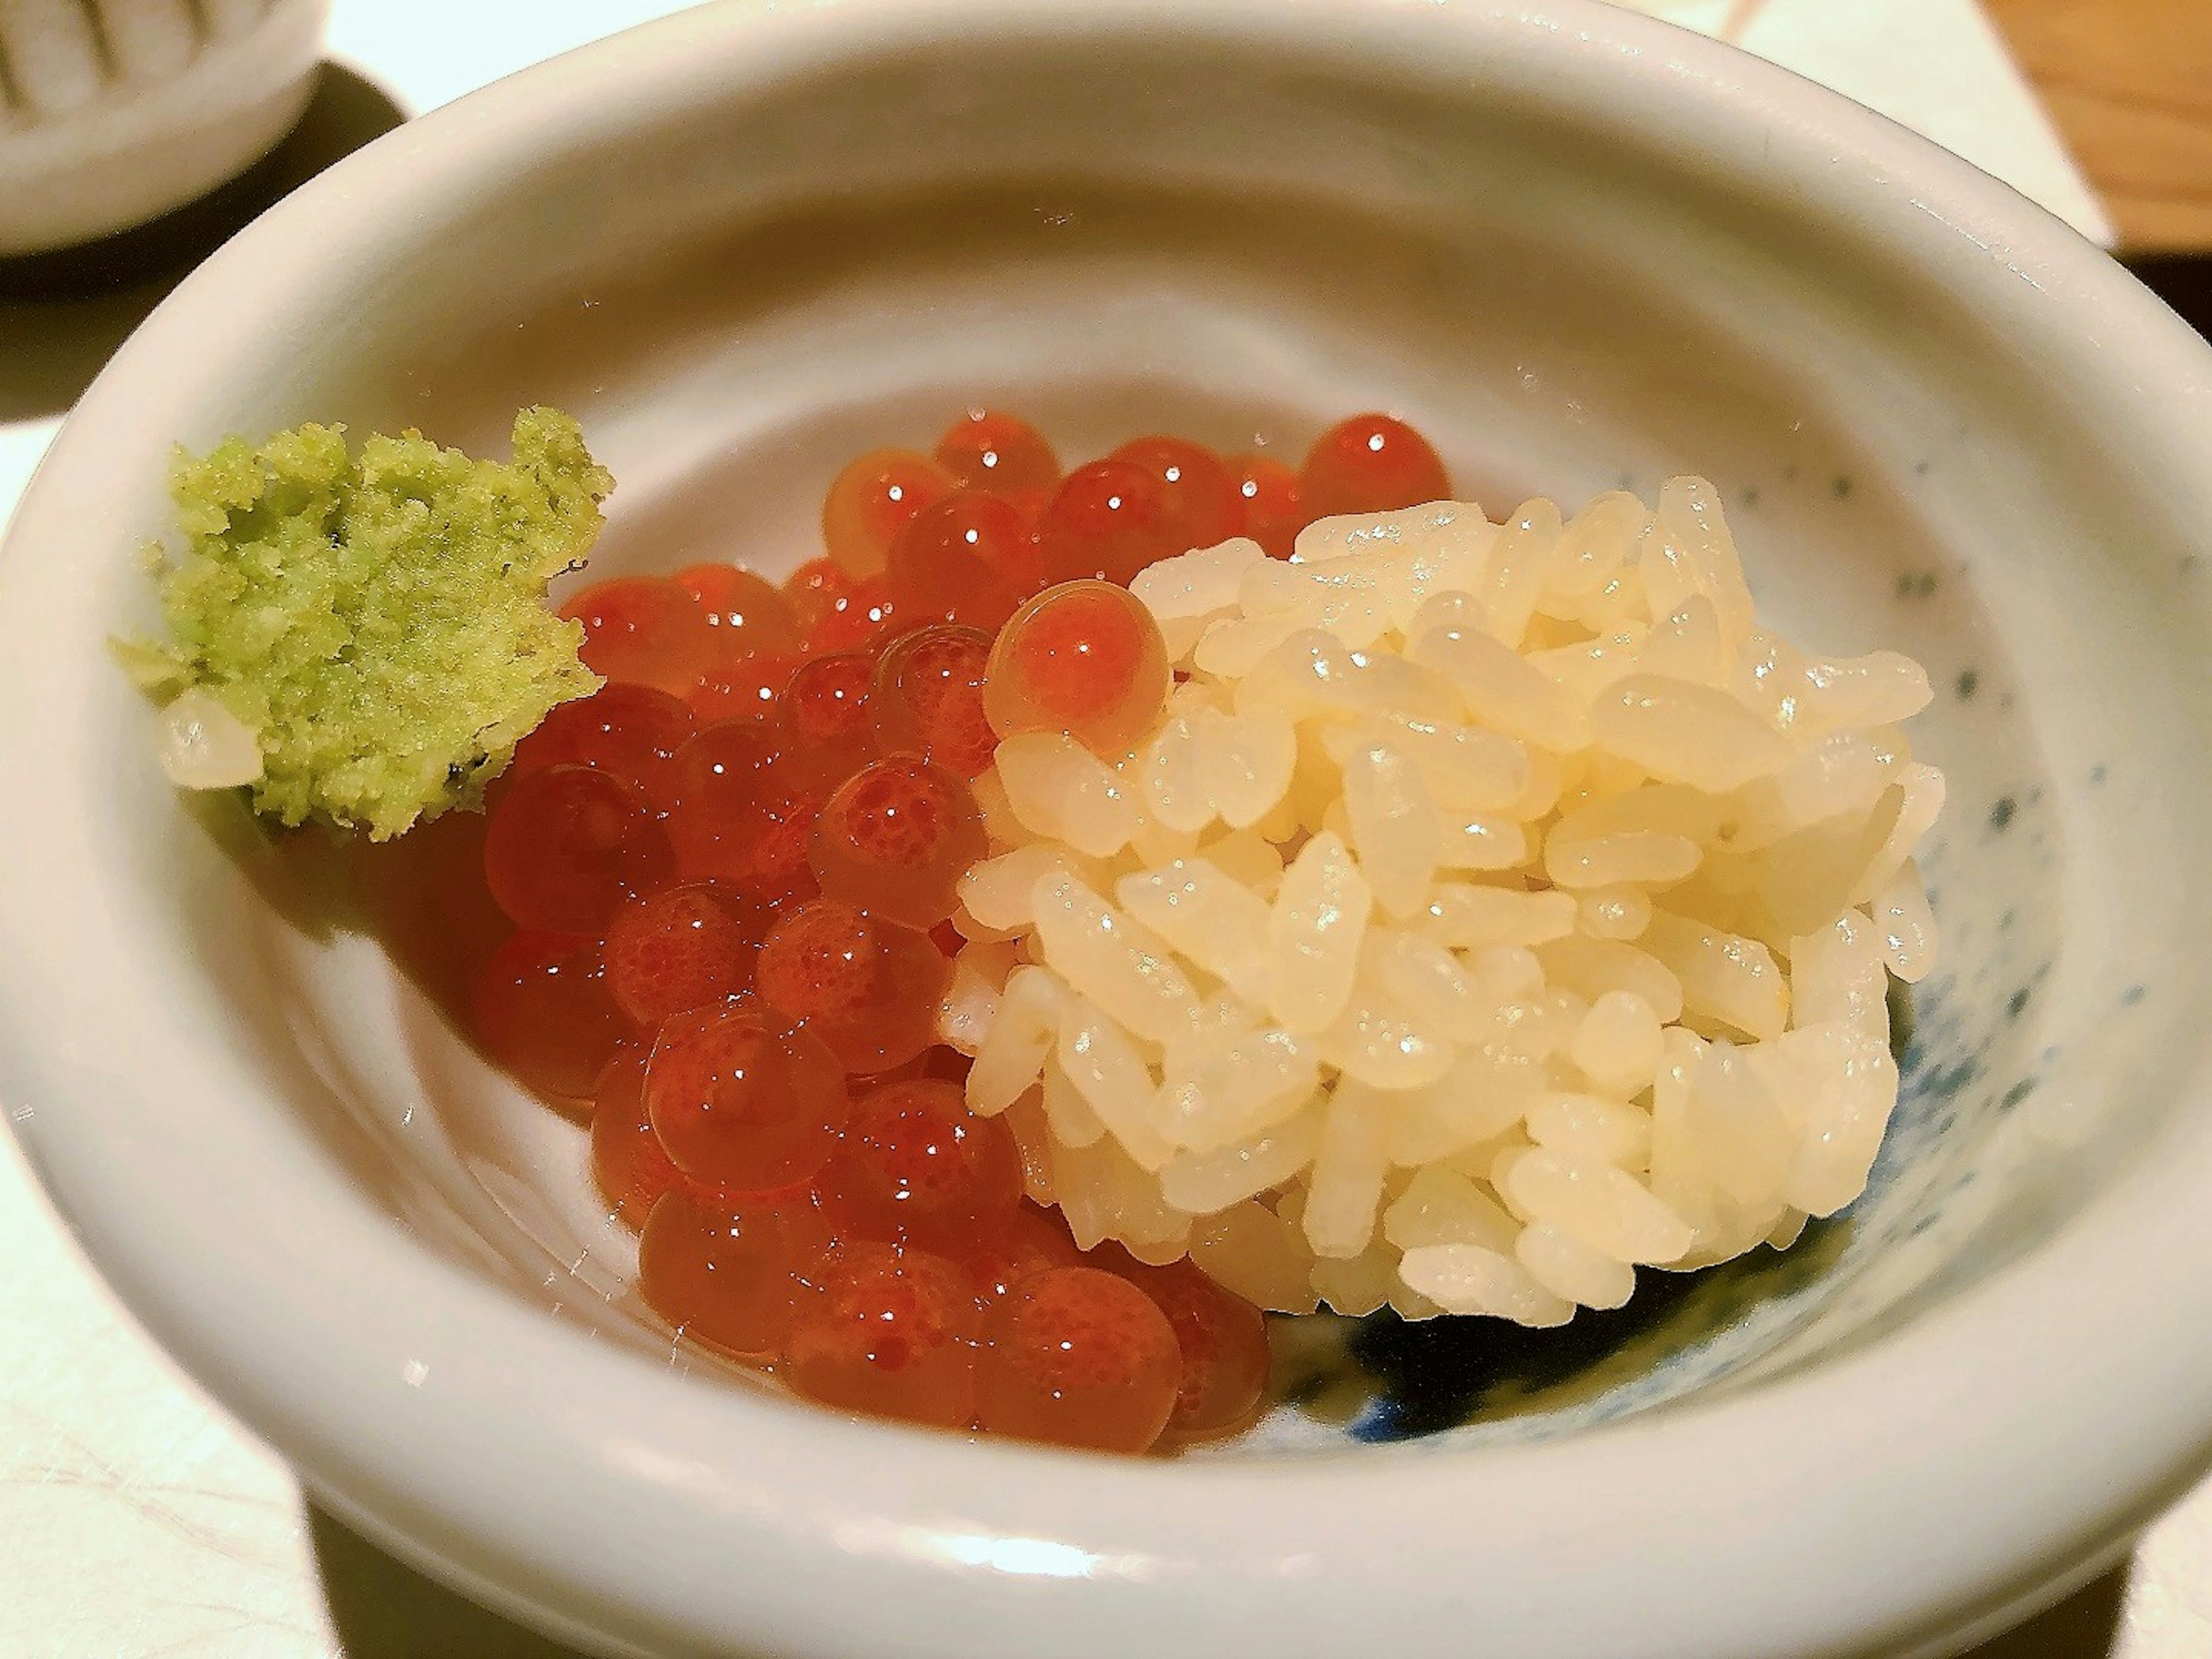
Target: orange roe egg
{"points": [[824, 719], [748, 614], [967, 558], [1031, 505], [1224, 1343], [682, 948], [780, 871], [728, 786], [1108, 519], [890, 1332], [1199, 491], [1084, 658], [1080, 1358], [870, 501], [643, 631], [858, 619], [918, 1167], [895, 838], [898, 1018], [1370, 464], [929, 694], [1273, 512], [629, 1164], [540, 1009], [740, 687], [727, 1275], [961, 739], [814, 590], [740, 1105], [631, 731], [1034, 1240], [1003, 453], [868, 988], [819, 961], [566, 846]]}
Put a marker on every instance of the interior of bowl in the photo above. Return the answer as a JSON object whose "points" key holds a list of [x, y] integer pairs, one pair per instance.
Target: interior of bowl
{"points": [[735, 293]]}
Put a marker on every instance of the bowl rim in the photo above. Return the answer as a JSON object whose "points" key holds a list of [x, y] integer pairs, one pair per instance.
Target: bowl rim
{"points": [[422, 1405]]}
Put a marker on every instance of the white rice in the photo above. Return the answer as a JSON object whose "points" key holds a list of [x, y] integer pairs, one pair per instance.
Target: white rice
{"points": [[1496, 908]]}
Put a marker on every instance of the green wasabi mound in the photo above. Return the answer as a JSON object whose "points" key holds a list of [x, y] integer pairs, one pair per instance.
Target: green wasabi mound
{"points": [[378, 623]]}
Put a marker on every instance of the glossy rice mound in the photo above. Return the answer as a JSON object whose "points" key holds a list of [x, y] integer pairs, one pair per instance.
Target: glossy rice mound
{"points": [[1495, 908]]}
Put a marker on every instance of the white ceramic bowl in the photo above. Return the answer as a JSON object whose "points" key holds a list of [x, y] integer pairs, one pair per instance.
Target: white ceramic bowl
{"points": [[1576, 246]]}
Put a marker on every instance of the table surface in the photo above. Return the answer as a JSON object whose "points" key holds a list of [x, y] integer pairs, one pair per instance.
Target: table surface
{"points": [[140, 1521], [2130, 85]]}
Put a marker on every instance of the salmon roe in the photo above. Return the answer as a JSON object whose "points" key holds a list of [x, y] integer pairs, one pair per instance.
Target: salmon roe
{"points": [[872, 499], [1196, 490], [541, 1009], [1081, 1357], [1084, 658], [632, 732], [712, 906], [889, 1332], [928, 698], [1108, 519], [1003, 453], [629, 1166], [895, 838], [918, 1169], [1272, 509], [643, 631], [967, 558], [683, 948], [1370, 463], [740, 1104]]}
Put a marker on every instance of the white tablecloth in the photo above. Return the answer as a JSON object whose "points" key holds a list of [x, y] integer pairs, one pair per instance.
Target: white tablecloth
{"points": [[138, 1521]]}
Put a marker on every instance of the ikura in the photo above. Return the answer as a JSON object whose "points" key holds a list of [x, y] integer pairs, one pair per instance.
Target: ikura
{"points": [[728, 786], [629, 1166], [918, 1169], [567, 845], [1108, 519], [814, 590], [984, 450], [1370, 463], [871, 500], [890, 1333], [632, 732], [1080, 1358], [858, 618], [728, 1273], [712, 903], [1034, 1240], [643, 630], [824, 718], [1084, 658], [967, 558], [895, 838], [541, 1009], [1273, 510], [867, 986], [1224, 1343], [749, 617], [740, 1105], [740, 687], [683, 948], [928, 698], [1198, 491]]}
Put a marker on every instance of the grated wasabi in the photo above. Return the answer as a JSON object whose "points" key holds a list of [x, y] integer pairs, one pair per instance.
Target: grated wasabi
{"points": [[377, 624]]}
